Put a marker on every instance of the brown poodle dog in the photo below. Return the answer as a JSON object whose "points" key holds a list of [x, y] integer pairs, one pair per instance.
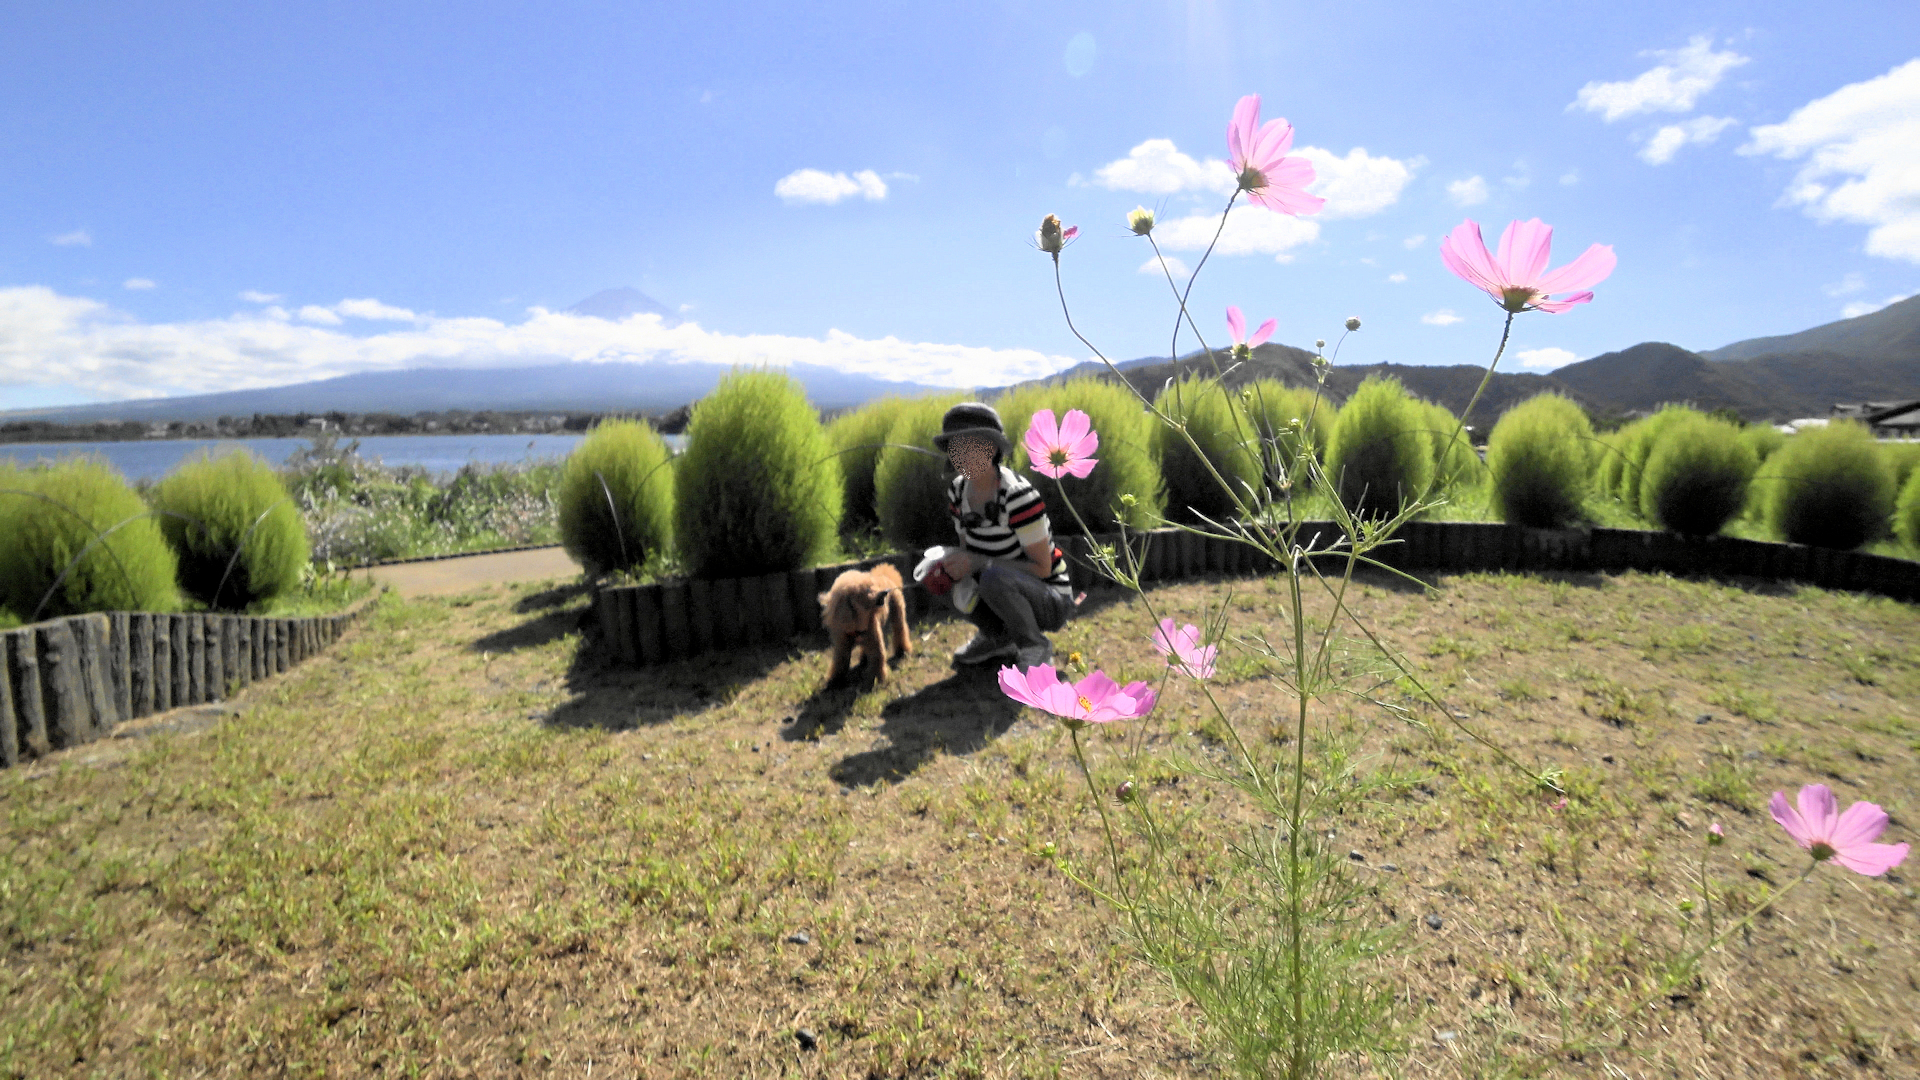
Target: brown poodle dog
{"points": [[856, 611]]}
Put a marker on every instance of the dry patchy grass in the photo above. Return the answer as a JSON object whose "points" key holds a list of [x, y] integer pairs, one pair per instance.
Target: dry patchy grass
{"points": [[460, 844]]}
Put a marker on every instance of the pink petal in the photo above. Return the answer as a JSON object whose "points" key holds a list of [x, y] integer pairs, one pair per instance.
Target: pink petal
{"points": [[1020, 687], [1872, 859], [1789, 819], [1590, 269], [1262, 334], [1070, 232], [1074, 427], [1237, 324], [1086, 446], [1044, 425], [1820, 810], [1524, 250], [1275, 139], [1862, 824], [1246, 115], [1555, 307], [1097, 687], [1045, 468], [1163, 636], [1037, 449], [1080, 467], [1465, 253], [1286, 200]]}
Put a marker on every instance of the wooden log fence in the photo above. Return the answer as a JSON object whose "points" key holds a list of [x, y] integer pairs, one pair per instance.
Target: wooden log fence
{"points": [[69, 681], [643, 625]]}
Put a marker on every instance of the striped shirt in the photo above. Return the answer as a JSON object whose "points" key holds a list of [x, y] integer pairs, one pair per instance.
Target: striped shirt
{"points": [[1016, 518]]}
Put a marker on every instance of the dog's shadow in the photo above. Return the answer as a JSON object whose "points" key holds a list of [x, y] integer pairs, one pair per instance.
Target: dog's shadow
{"points": [[960, 714]]}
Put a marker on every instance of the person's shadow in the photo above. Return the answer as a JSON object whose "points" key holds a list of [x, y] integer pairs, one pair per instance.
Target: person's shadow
{"points": [[957, 715]]}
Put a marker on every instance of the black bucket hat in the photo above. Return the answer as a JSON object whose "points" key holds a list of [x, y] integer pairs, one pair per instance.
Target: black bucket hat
{"points": [[973, 418]]}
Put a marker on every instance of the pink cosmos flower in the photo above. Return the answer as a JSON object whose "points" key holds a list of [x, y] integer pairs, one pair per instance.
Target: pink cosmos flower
{"points": [[1261, 165], [1184, 647], [1845, 838], [1517, 278], [1237, 324], [1094, 699], [1059, 449]]}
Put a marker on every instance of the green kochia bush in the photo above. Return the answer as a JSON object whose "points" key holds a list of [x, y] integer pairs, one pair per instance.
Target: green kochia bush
{"points": [[855, 439], [1128, 462], [235, 530], [1274, 407], [1227, 439], [615, 498], [910, 485], [1379, 455], [1696, 475], [1828, 486], [1764, 439], [48, 516], [1458, 465], [758, 490], [1537, 455], [1906, 512], [1901, 457]]}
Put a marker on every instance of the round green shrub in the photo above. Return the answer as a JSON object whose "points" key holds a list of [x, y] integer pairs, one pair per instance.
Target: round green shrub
{"points": [[1696, 475], [910, 486], [1906, 512], [233, 527], [1128, 463], [1538, 461], [81, 508], [856, 439], [1763, 440], [1636, 443], [1379, 455], [1227, 440], [1901, 458], [1829, 487], [759, 491], [614, 500], [1287, 418]]}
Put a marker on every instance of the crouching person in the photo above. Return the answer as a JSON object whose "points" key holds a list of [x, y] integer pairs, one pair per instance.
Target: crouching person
{"points": [[1020, 588]]}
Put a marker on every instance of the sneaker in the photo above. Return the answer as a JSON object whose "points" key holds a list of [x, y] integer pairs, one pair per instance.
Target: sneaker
{"points": [[985, 647], [1033, 656]]}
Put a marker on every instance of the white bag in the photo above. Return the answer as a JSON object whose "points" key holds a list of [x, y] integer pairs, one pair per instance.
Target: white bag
{"points": [[963, 594]]}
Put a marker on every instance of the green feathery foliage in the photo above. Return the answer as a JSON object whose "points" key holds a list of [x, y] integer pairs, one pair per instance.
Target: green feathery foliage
{"points": [[1828, 486], [78, 518], [759, 490], [1128, 463], [234, 528], [1696, 475], [1537, 455], [615, 498], [1287, 418], [856, 439], [1228, 441], [910, 486], [1906, 512], [1379, 455]]}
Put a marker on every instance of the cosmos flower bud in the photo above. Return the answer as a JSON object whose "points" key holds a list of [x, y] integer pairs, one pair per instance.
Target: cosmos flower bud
{"points": [[1140, 221], [1124, 792], [1715, 837], [1353, 323], [1052, 237], [1319, 343], [1128, 501]]}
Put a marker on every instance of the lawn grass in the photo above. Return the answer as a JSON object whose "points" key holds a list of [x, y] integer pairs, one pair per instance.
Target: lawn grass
{"points": [[461, 844]]}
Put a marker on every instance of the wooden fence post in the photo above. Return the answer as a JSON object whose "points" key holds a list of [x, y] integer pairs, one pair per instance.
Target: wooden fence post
{"points": [[92, 636], [700, 612], [119, 654], [59, 679], [29, 695], [806, 607], [10, 749], [676, 623], [779, 604], [646, 617], [140, 663]]}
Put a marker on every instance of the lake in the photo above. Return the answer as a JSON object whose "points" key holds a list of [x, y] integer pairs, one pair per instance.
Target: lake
{"points": [[440, 454]]}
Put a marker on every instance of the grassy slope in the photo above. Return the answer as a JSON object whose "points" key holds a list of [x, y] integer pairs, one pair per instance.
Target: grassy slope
{"points": [[460, 845]]}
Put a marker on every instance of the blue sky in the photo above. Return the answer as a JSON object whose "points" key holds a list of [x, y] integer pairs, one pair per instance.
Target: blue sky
{"points": [[207, 197]]}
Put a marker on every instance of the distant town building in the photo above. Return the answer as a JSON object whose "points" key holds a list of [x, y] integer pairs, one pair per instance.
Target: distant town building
{"points": [[1886, 419]]}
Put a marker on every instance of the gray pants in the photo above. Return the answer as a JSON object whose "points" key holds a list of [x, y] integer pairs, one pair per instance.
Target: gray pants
{"points": [[1017, 606]]}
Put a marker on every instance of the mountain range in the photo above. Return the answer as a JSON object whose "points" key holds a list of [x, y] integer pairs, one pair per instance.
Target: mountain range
{"points": [[1868, 358]]}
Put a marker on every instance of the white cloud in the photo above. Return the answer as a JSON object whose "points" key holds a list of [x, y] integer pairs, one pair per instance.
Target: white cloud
{"points": [[1469, 192], [1251, 230], [276, 312], [1672, 86], [255, 296], [1865, 307], [1570, 177], [1412, 242], [1174, 266], [1396, 278], [1546, 359], [373, 309], [1669, 139], [1443, 317], [814, 186], [1354, 186], [137, 283], [1852, 283], [47, 339], [314, 313], [76, 238], [1869, 133]]}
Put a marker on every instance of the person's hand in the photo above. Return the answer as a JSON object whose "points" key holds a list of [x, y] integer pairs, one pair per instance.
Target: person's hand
{"points": [[959, 564]]}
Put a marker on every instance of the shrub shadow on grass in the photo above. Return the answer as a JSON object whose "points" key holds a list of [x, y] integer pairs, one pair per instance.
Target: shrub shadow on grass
{"points": [[534, 633], [957, 715], [611, 696], [558, 596]]}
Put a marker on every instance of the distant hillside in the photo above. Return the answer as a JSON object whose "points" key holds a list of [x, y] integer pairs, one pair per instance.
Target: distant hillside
{"points": [[1769, 387], [1890, 334]]}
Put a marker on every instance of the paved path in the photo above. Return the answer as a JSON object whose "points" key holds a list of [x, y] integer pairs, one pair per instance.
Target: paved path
{"points": [[457, 575]]}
